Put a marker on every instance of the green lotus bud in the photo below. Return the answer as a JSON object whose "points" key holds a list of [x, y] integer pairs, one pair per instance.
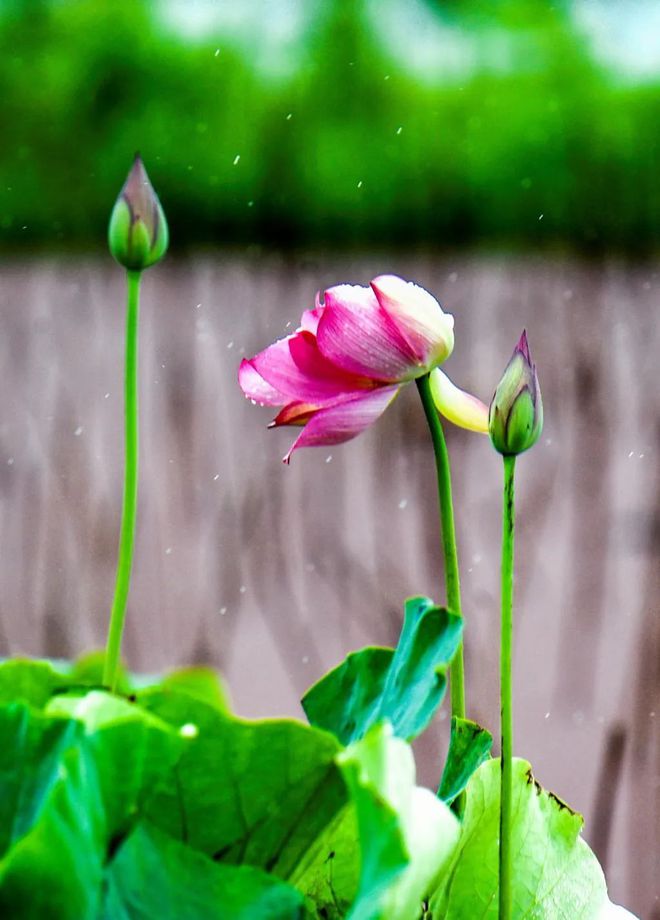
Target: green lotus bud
{"points": [[515, 418], [138, 234]]}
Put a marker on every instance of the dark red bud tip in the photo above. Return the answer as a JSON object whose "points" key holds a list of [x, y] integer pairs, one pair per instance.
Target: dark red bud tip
{"points": [[523, 347]]}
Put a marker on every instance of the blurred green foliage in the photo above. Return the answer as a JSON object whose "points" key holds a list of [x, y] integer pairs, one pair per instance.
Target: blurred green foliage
{"points": [[350, 147]]}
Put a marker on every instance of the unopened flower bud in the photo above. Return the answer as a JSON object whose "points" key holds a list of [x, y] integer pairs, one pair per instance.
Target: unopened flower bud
{"points": [[138, 234], [515, 418]]}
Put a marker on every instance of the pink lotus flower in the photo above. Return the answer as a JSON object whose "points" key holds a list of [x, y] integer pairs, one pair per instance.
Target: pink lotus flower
{"points": [[350, 357]]}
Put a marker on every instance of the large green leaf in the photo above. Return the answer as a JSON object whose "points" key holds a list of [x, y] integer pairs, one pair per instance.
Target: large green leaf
{"points": [[407, 835], [329, 870], [33, 682], [469, 747], [133, 750], [73, 779], [556, 876], [153, 877], [246, 792], [201, 682], [52, 818], [404, 686]]}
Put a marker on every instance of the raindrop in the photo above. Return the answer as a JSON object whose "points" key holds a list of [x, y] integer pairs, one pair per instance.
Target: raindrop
{"points": [[107, 396], [189, 730], [305, 659], [168, 551], [237, 159], [217, 52], [540, 216], [289, 116], [399, 129], [242, 589], [547, 715], [360, 184], [403, 503], [632, 452], [78, 431], [10, 461], [216, 477], [230, 345], [328, 458], [223, 611], [452, 277]]}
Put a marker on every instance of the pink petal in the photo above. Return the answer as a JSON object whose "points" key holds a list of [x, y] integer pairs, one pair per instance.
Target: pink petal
{"points": [[295, 367], [355, 333], [345, 420], [294, 413], [455, 404], [255, 387], [310, 318], [418, 317]]}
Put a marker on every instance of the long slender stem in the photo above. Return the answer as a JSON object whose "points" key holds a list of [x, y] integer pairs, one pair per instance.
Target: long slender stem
{"points": [[448, 535], [129, 508], [506, 692]]}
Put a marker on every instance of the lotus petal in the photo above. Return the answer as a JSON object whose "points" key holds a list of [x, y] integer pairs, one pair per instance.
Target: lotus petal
{"points": [[344, 420], [455, 404]]}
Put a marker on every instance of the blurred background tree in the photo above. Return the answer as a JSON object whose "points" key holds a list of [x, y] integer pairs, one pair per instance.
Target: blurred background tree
{"points": [[351, 122]]}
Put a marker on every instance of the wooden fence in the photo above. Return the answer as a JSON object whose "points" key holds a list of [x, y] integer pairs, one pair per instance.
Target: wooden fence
{"points": [[275, 573]]}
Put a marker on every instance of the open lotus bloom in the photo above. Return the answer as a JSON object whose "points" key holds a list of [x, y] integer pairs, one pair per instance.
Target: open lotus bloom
{"points": [[350, 357]]}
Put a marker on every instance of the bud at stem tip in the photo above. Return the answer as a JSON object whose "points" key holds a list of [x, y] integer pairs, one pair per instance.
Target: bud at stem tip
{"points": [[515, 418], [137, 234]]}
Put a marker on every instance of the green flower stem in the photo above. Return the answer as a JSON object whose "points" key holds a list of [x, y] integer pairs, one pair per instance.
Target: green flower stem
{"points": [[127, 533], [448, 533], [506, 648]]}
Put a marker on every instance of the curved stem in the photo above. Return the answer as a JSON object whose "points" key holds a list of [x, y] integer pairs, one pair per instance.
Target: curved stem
{"points": [[129, 508], [506, 692], [448, 535]]}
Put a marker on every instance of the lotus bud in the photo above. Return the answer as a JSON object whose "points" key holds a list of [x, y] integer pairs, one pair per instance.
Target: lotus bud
{"points": [[515, 418], [138, 234]]}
